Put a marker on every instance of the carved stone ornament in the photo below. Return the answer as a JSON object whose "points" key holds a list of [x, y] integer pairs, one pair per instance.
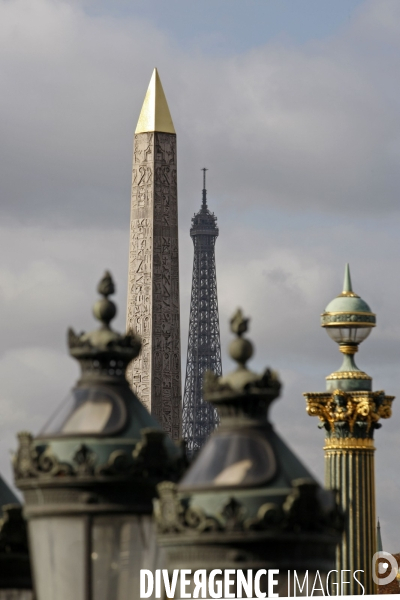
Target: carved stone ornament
{"points": [[174, 515], [147, 460], [302, 511], [348, 414]]}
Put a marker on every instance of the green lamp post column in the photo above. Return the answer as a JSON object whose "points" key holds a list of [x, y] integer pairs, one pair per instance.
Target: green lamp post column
{"points": [[349, 412], [247, 502], [90, 476]]}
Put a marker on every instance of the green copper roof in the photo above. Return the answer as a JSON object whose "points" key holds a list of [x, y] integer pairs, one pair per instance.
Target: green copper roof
{"points": [[349, 304]]}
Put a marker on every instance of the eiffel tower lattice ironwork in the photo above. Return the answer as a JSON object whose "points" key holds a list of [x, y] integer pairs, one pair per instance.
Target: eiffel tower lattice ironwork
{"points": [[199, 418]]}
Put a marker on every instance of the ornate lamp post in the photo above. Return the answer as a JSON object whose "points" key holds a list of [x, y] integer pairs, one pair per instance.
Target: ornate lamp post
{"points": [[349, 411], [348, 320], [247, 502], [89, 477]]}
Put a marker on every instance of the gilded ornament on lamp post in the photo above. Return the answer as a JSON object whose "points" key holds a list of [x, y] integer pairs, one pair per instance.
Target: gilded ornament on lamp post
{"points": [[349, 412]]}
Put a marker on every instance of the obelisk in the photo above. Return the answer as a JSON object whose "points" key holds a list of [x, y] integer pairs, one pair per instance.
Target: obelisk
{"points": [[153, 283]]}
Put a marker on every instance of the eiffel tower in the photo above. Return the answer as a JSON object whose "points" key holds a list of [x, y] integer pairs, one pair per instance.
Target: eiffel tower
{"points": [[199, 418], [153, 281]]}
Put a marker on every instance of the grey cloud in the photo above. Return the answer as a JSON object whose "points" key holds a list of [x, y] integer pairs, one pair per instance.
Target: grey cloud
{"points": [[311, 128], [302, 146]]}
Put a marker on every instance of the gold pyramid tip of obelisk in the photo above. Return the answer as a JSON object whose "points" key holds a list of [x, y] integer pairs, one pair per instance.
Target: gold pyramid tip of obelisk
{"points": [[155, 115]]}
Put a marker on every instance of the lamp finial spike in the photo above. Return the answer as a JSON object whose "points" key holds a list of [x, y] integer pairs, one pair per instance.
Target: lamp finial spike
{"points": [[347, 287]]}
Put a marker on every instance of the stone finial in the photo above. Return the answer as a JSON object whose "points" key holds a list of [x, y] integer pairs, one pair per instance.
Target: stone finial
{"points": [[240, 349], [104, 309], [242, 386], [103, 346], [239, 323]]}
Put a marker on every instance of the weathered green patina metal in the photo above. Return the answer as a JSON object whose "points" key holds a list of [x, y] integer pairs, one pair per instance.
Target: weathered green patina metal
{"points": [[348, 308], [92, 472], [247, 502]]}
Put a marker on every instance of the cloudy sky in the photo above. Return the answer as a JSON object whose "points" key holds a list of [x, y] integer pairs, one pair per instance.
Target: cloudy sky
{"points": [[293, 107]]}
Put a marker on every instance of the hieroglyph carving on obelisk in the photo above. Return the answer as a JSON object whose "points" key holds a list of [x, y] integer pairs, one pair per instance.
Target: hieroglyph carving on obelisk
{"points": [[153, 285]]}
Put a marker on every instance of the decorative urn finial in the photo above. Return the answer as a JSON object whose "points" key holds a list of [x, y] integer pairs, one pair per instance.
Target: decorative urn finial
{"points": [[105, 310], [240, 349], [104, 352], [248, 392]]}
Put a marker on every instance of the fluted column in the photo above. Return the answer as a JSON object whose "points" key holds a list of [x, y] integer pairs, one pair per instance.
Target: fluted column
{"points": [[350, 470], [350, 419]]}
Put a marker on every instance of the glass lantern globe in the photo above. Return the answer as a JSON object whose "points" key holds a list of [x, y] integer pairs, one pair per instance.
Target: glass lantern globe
{"points": [[348, 319], [344, 334]]}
